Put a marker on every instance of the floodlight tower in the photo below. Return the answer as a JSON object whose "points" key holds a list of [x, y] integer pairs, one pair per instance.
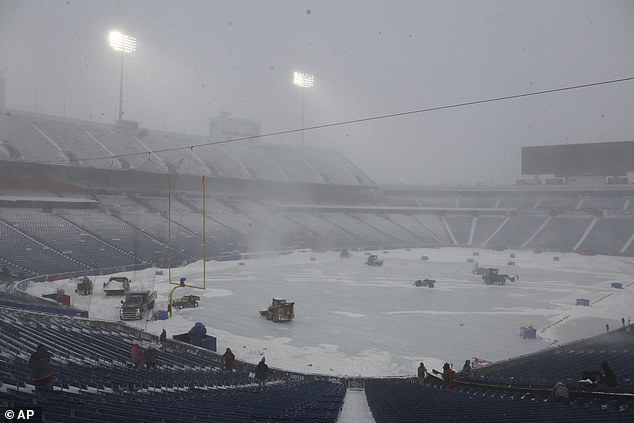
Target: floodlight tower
{"points": [[125, 45], [303, 80]]}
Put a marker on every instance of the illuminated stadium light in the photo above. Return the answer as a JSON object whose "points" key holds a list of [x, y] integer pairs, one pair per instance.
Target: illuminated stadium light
{"points": [[123, 44], [303, 80]]}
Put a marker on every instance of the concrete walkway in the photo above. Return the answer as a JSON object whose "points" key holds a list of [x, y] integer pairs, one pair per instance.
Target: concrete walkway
{"points": [[355, 408]]}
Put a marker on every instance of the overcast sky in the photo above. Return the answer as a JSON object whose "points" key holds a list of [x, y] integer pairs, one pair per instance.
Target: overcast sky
{"points": [[196, 59]]}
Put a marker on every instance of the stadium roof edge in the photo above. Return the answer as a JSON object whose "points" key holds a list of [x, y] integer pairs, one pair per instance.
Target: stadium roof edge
{"points": [[505, 189]]}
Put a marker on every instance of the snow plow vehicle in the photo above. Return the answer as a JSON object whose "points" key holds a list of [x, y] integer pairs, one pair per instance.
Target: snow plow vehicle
{"points": [[345, 253], [115, 289], [84, 286], [279, 311], [136, 304], [425, 282], [188, 301], [373, 260], [477, 270], [493, 277]]}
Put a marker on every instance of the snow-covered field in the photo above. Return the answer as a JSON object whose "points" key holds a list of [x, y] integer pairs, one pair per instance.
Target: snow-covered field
{"points": [[353, 319]]}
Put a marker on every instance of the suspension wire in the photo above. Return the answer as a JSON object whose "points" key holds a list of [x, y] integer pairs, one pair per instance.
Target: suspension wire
{"points": [[370, 118]]}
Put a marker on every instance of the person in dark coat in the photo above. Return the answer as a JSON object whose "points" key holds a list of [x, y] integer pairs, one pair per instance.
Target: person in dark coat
{"points": [[560, 393], [261, 370], [197, 333], [422, 373], [609, 378], [151, 357], [229, 357], [40, 364], [466, 369], [163, 336]]}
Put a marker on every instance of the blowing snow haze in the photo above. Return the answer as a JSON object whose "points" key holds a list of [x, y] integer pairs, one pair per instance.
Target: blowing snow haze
{"points": [[197, 59]]}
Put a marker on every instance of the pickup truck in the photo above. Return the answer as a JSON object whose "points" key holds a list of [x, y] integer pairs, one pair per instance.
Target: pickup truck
{"points": [[136, 304]]}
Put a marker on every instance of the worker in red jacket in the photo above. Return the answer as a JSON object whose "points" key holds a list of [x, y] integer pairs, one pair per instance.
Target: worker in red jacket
{"points": [[138, 355], [229, 357], [448, 376], [40, 364]]}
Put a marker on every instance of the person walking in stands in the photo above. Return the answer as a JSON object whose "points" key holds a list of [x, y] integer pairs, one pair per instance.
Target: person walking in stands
{"points": [[137, 354], [151, 357], [448, 376], [608, 378], [229, 357], [163, 336], [560, 393], [261, 370], [40, 364], [422, 373], [466, 369]]}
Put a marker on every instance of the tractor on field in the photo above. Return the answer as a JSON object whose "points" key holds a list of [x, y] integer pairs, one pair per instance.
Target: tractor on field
{"points": [[345, 253], [493, 277], [84, 286], [425, 282], [373, 260], [279, 311]]}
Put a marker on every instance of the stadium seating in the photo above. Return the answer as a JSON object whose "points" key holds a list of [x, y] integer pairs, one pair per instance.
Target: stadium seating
{"points": [[21, 301], [609, 235], [562, 233], [29, 254], [133, 230], [411, 224], [460, 227], [516, 231], [485, 227], [567, 363], [384, 225], [95, 382], [408, 402], [65, 237]]}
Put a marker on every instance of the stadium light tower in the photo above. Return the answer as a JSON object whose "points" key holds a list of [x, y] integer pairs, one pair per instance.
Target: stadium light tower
{"points": [[303, 80], [125, 45]]}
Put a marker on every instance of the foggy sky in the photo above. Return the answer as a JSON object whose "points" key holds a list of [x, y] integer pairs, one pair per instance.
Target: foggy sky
{"points": [[196, 59]]}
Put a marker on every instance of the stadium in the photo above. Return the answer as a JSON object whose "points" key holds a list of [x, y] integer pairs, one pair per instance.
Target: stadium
{"points": [[66, 220], [116, 234]]}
